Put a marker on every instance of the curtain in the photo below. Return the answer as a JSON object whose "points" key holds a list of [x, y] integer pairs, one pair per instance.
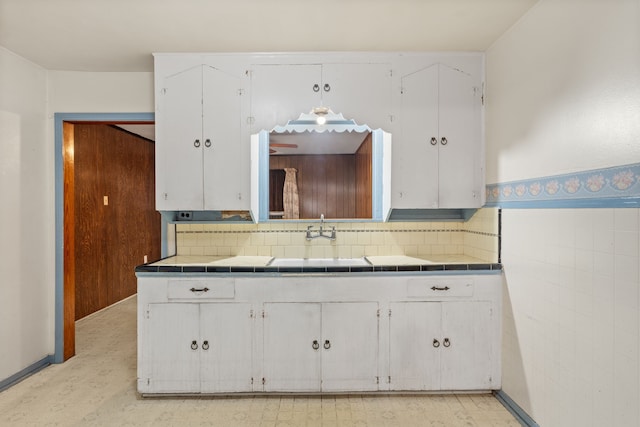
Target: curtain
{"points": [[290, 194]]}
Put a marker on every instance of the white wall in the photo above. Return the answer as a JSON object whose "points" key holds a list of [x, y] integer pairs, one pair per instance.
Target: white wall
{"points": [[26, 217], [562, 88], [85, 92], [563, 93]]}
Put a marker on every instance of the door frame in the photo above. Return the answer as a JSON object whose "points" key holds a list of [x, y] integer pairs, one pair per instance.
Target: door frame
{"points": [[64, 311]]}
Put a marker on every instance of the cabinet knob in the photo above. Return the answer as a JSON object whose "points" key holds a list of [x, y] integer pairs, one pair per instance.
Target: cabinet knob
{"points": [[326, 87], [316, 87], [207, 143], [315, 345], [436, 343], [194, 345], [205, 345], [434, 140], [327, 344], [446, 342], [443, 141], [196, 143]]}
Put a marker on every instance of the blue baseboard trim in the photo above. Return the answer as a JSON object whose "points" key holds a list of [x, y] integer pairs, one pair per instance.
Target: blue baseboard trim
{"points": [[522, 417], [26, 372]]}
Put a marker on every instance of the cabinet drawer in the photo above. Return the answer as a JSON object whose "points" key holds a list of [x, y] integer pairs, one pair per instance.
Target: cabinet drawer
{"points": [[201, 289], [439, 288]]}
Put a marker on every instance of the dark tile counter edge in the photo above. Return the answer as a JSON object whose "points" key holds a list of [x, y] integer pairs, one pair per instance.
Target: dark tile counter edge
{"points": [[146, 268]]}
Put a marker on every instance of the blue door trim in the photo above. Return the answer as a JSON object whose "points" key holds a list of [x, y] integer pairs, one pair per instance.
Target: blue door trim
{"points": [[59, 119]]}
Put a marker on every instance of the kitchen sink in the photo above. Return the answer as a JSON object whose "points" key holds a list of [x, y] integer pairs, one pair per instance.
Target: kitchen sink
{"points": [[318, 262]]}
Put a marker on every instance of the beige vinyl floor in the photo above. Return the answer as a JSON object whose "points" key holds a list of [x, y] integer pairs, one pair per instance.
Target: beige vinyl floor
{"points": [[97, 388]]}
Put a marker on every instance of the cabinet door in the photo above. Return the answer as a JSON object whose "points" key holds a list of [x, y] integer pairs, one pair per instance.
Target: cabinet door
{"points": [[173, 348], [226, 159], [179, 142], [349, 346], [359, 91], [292, 347], [466, 355], [415, 161], [226, 331], [459, 152], [280, 93], [414, 345]]}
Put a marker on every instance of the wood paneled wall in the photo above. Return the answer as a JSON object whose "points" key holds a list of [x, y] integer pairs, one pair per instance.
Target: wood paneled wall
{"points": [[364, 179], [336, 185], [116, 223]]}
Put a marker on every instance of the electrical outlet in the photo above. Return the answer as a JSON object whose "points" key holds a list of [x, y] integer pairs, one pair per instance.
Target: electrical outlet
{"points": [[185, 215]]}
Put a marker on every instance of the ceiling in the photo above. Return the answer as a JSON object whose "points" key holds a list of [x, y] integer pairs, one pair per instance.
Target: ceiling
{"points": [[121, 35]]}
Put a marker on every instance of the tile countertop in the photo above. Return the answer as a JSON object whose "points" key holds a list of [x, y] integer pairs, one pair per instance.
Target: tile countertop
{"points": [[260, 264]]}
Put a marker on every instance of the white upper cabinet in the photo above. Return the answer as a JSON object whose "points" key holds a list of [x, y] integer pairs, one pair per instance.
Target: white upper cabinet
{"points": [[281, 92], [440, 154], [209, 105], [201, 163]]}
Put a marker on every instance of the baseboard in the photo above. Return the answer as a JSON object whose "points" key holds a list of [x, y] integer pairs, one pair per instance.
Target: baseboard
{"points": [[522, 417], [26, 372]]}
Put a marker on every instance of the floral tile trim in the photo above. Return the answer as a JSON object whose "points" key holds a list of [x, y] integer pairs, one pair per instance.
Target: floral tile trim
{"points": [[615, 182]]}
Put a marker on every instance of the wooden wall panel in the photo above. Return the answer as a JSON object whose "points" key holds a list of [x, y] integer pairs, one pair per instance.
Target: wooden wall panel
{"points": [[111, 239], [364, 178], [326, 183]]}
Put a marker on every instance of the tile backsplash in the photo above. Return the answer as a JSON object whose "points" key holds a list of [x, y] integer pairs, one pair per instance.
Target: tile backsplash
{"points": [[476, 238]]}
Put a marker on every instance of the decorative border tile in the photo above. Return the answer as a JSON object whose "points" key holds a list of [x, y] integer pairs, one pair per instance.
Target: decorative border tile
{"points": [[616, 187]]}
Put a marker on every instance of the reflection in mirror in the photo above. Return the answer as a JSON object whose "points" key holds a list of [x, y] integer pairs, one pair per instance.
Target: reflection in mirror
{"points": [[313, 173]]}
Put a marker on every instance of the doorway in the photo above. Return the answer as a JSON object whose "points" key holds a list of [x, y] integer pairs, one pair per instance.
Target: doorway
{"points": [[104, 203]]}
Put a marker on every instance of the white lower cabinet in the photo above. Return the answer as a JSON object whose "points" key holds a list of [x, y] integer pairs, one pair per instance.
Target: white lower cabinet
{"points": [[441, 345], [311, 347], [199, 347], [222, 333]]}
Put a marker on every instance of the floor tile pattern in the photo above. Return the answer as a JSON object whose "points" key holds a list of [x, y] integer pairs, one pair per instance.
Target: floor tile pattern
{"points": [[97, 388]]}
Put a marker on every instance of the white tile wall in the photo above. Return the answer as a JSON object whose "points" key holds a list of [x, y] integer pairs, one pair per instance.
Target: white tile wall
{"points": [[571, 322], [476, 238]]}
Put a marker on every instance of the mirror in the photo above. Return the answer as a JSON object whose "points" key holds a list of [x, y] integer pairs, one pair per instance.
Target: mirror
{"points": [[337, 169]]}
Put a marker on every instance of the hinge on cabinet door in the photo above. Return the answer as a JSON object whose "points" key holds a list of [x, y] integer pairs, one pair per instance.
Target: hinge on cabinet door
{"points": [[251, 380], [263, 314], [390, 73], [148, 381], [263, 381], [148, 314], [378, 313], [389, 312], [389, 379], [166, 196], [377, 380], [391, 117]]}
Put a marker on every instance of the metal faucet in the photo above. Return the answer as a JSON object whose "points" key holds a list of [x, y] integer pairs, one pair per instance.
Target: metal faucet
{"points": [[320, 233]]}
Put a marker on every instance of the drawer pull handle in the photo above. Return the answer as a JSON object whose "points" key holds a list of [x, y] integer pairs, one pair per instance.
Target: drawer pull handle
{"points": [[446, 342], [434, 141], [205, 345], [194, 345], [327, 344], [437, 288], [315, 345], [436, 343], [196, 290]]}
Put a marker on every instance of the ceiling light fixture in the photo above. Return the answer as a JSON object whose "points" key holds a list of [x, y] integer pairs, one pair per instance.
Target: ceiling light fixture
{"points": [[321, 113]]}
